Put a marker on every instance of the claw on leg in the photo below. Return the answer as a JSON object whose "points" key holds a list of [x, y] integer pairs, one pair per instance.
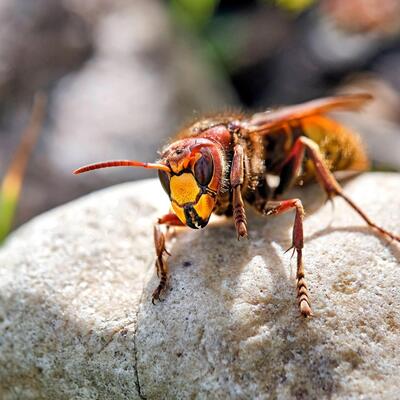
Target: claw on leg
{"points": [[161, 286]]}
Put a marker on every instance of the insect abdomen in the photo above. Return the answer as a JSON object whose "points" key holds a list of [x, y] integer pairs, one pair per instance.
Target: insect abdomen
{"points": [[342, 149]]}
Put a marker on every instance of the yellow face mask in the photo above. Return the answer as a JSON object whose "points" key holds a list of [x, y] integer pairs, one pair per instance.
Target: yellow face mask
{"points": [[192, 198], [184, 189], [189, 200]]}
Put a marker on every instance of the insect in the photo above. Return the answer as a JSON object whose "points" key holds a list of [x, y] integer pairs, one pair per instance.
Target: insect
{"points": [[219, 164]]}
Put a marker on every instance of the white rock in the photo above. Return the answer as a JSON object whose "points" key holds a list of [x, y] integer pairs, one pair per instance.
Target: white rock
{"points": [[75, 321]]}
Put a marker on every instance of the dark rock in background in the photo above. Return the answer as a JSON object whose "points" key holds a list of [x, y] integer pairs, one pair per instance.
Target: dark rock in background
{"points": [[120, 82], [40, 42]]}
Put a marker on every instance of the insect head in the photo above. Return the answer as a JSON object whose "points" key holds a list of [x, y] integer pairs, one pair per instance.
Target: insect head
{"points": [[190, 171]]}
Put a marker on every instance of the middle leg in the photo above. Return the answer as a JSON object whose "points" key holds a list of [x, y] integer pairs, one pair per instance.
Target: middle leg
{"points": [[280, 207]]}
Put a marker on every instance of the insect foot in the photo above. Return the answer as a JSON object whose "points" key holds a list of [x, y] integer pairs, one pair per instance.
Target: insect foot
{"points": [[302, 294], [161, 265], [240, 219]]}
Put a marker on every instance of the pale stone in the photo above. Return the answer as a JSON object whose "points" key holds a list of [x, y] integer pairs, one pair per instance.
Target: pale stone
{"points": [[75, 322]]}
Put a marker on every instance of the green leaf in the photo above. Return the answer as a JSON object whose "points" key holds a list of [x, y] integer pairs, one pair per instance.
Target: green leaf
{"points": [[10, 189], [8, 205]]}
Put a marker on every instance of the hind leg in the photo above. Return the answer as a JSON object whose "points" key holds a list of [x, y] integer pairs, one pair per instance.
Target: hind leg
{"points": [[291, 168], [289, 172]]}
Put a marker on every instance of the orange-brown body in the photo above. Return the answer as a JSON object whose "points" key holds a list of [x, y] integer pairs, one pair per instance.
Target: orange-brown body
{"points": [[220, 163], [265, 155]]}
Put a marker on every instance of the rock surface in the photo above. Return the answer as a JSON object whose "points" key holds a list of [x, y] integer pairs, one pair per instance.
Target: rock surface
{"points": [[76, 319]]}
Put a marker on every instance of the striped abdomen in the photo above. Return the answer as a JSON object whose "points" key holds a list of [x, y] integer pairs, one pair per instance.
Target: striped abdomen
{"points": [[341, 148]]}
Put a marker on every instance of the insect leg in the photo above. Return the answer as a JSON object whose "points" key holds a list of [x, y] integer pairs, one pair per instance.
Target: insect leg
{"points": [[331, 185], [159, 243], [279, 207], [290, 168], [236, 181]]}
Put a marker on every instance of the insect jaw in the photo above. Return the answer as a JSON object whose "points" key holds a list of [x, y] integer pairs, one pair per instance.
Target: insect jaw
{"points": [[193, 219], [195, 215]]}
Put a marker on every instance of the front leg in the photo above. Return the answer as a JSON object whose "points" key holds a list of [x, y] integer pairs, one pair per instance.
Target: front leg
{"points": [[236, 181], [159, 243]]}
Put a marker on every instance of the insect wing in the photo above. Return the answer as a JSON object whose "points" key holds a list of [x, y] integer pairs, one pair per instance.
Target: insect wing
{"points": [[263, 123]]}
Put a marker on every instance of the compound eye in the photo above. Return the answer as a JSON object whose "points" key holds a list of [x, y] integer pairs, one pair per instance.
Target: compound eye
{"points": [[204, 168], [164, 179]]}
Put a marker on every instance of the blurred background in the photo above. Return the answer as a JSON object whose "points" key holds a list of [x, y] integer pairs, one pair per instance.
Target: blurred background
{"points": [[121, 76]]}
